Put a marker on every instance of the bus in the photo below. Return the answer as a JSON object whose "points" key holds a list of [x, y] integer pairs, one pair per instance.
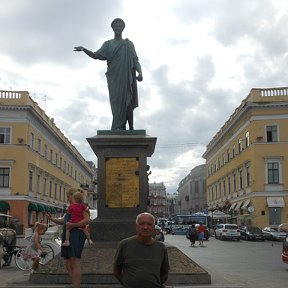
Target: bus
{"points": [[180, 224], [190, 219]]}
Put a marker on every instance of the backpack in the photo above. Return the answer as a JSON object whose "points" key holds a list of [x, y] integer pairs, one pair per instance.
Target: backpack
{"points": [[192, 232]]}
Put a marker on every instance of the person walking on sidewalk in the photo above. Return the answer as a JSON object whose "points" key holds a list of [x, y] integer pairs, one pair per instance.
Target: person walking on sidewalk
{"points": [[201, 232], [141, 261], [192, 232]]}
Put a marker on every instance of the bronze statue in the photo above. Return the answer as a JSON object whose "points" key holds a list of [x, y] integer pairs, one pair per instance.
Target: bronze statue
{"points": [[122, 65]]}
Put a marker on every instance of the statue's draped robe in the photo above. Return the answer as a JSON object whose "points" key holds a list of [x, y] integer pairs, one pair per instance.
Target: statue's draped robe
{"points": [[121, 78]]}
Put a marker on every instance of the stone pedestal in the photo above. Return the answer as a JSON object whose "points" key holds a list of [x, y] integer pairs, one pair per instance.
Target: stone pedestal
{"points": [[122, 181]]}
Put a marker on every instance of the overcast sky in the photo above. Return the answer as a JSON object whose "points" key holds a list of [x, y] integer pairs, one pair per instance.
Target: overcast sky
{"points": [[200, 59]]}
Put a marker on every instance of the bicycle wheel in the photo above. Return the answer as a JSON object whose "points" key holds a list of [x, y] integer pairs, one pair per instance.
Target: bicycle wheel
{"points": [[21, 262], [49, 254]]}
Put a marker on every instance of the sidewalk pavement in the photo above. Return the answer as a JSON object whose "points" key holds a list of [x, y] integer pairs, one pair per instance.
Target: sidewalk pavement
{"points": [[21, 281]]}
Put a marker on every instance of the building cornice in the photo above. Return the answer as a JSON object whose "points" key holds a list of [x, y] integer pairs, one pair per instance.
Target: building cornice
{"points": [[48, 123], [251, 102]]}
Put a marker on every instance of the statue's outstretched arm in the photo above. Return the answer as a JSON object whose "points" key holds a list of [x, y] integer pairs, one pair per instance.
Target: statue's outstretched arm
{"points": [[91, 54]]}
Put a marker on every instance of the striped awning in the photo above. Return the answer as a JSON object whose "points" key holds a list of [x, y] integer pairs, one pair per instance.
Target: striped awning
{"points": [[47, 208], [32, 206], [41, 208], [52, 210], [246, 203], [4, 206], [238, 205], [233, 205]]}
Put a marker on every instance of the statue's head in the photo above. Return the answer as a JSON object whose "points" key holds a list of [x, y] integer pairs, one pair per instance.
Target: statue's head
{"points": [[118, 25]]}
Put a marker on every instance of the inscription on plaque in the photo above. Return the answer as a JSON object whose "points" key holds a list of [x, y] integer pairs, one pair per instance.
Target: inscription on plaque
{"points": [[122, 182]]}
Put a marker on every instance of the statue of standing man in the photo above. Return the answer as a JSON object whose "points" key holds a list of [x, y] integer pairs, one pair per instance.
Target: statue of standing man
{"points": [[122, 65]]}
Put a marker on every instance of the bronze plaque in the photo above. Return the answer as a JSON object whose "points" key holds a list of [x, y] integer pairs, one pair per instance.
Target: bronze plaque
{"points": [[122, 182]]}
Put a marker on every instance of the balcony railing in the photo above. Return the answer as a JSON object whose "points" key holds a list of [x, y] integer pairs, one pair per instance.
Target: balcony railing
{"points": [[10, 94]]}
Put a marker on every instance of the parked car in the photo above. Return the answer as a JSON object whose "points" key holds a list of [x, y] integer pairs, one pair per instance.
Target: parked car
{"points": [[252, 233], [179, 230], [227, 231], [273, 233], [283, 227], [285, 250]]}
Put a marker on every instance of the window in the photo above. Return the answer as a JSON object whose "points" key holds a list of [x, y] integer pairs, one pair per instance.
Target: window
{"points": [[248, 176], [229, 185], [228, 155], [51, 156], [30, 181], [55, 191], [46, 151], [32, 140], [4, 177], [271, 133], [56, 159], [44, 186], [240, 148], [240, 180], [60, 192], [39, 148], [224, 187], [197, 187], [38, 184], [234, 182], [233, 151], [50, 189], [247, 139], [5, 134], [273, 173]]}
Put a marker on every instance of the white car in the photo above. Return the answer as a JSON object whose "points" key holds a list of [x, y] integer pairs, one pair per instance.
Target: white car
{"points": [[273, 233], [227, 231]]}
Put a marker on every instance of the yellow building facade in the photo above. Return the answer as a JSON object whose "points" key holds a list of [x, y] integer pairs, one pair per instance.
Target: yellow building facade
{"points": [[247, 161], [38, 164]]}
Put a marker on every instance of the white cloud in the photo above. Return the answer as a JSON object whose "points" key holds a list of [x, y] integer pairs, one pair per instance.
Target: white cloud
{"points": [[199, 59]]}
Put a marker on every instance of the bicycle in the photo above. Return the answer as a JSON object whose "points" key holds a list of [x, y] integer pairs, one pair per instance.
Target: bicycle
{"points": [[24, 263]]}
